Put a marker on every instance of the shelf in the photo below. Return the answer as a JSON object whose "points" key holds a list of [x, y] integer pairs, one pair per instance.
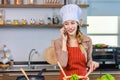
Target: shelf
{"points": [[30, 25], [33, 6], [39, 6], [35, 25], [83, 5], [85, 25]]}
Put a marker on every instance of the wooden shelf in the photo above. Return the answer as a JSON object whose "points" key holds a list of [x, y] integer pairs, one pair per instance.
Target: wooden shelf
{"points": [[35, 25], [83, 5], [39, 6], [85, 25], [30, 25], [33, 6]]}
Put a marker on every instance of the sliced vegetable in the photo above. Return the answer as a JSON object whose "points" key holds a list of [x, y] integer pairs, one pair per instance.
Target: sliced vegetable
{"points": [[74, 77]]}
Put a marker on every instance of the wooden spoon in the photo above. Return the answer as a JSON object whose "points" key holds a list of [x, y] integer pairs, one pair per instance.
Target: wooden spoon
{"points": [[24, 73], [88, 73], [61, 69]]}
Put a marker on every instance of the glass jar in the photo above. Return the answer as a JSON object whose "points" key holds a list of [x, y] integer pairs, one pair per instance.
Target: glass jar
{"points": [[49, 21], [31, 1], [41, 21], [55, 20], [5, 1], [72, 1], [24, 21], [15, 22], [8, 21], [32, 21], [18, 2]]}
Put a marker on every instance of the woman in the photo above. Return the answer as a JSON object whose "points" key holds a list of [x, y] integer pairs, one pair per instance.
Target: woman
{"points": [[73, 49]]}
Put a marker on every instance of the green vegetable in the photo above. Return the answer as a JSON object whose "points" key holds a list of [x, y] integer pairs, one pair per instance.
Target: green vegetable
{"points": [[98, 45], [74, 77], [106, 77]]}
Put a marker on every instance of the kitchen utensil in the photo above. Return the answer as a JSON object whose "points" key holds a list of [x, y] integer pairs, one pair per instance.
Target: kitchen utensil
{"points": [[50, 55], [61, 69], [33, 77], [24, 73], [68, 77], [4, 66], [88, 73]]}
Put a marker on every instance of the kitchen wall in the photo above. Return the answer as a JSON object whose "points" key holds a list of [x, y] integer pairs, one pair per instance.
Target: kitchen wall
{"points": [[21, 40], [104, 8]]}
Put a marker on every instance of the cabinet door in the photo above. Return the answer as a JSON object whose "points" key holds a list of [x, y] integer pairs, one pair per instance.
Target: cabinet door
{"points": [[51, 77], [94, 76]]}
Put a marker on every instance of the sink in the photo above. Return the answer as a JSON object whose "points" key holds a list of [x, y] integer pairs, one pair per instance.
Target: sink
{"points": [[48, 67], [34, 67]]}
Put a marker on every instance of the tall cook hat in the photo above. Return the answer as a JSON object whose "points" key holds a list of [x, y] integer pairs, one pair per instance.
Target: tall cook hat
{"points": [[70, 12]]}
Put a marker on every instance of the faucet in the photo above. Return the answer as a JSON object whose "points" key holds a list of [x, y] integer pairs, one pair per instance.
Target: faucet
{"points": [[29, 59]]}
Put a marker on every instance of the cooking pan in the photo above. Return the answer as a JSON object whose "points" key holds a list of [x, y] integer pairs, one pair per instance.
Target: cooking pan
{"points": [[39, 76]]}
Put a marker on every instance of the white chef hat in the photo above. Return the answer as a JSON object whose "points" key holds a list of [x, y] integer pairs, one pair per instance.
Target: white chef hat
{"points": [[70, 12]]}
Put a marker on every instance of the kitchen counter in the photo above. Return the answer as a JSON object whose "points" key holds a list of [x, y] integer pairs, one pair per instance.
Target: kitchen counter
{"points": [[38, 66], [52, 71], [35, 68]]}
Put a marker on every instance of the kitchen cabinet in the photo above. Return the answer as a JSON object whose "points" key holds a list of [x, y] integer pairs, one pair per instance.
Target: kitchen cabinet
{"points": [[53, 75], [13, 75], [37, 6]]}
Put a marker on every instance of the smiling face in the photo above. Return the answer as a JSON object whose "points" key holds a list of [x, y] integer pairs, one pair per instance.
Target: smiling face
{"points": [[70, 27]]}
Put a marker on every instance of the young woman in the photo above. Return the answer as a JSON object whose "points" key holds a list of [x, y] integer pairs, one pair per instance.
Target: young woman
{"points": [[73, 48]]}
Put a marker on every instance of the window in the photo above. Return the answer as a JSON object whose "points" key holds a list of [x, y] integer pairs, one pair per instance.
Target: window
{"points": [[103, 29]]}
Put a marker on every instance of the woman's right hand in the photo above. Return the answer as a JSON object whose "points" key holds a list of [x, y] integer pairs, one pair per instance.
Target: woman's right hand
{"points": [[63, 34]]}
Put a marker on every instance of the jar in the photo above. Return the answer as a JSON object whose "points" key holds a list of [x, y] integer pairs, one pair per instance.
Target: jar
{"points": [[49, 21], [55, 19], [41, 21], [8, 22], [15, 22], [24, 21], [31, 1], [32, 21], [72, 1], [5, 1], [18, 2]]}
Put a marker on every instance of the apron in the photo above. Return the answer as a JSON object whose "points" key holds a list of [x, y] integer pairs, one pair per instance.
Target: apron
{"points": [[76, 63]]}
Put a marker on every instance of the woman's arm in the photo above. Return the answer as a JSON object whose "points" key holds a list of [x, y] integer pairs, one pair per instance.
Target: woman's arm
{"points": [[61, 52], [90, 63]]}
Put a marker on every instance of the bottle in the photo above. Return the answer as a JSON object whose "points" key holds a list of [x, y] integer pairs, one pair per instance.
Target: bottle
{"points": [[55, 19], [49, 20]]}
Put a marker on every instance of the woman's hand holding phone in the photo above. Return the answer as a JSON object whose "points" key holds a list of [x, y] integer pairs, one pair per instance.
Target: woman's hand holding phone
{"points": [[63, 33], [64, 38]]}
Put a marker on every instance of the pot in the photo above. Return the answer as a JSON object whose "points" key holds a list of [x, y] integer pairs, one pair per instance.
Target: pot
{"points": [[39, 76]]}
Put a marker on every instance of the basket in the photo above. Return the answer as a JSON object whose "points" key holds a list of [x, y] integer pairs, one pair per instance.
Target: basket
{"points": [[4, 66]]}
